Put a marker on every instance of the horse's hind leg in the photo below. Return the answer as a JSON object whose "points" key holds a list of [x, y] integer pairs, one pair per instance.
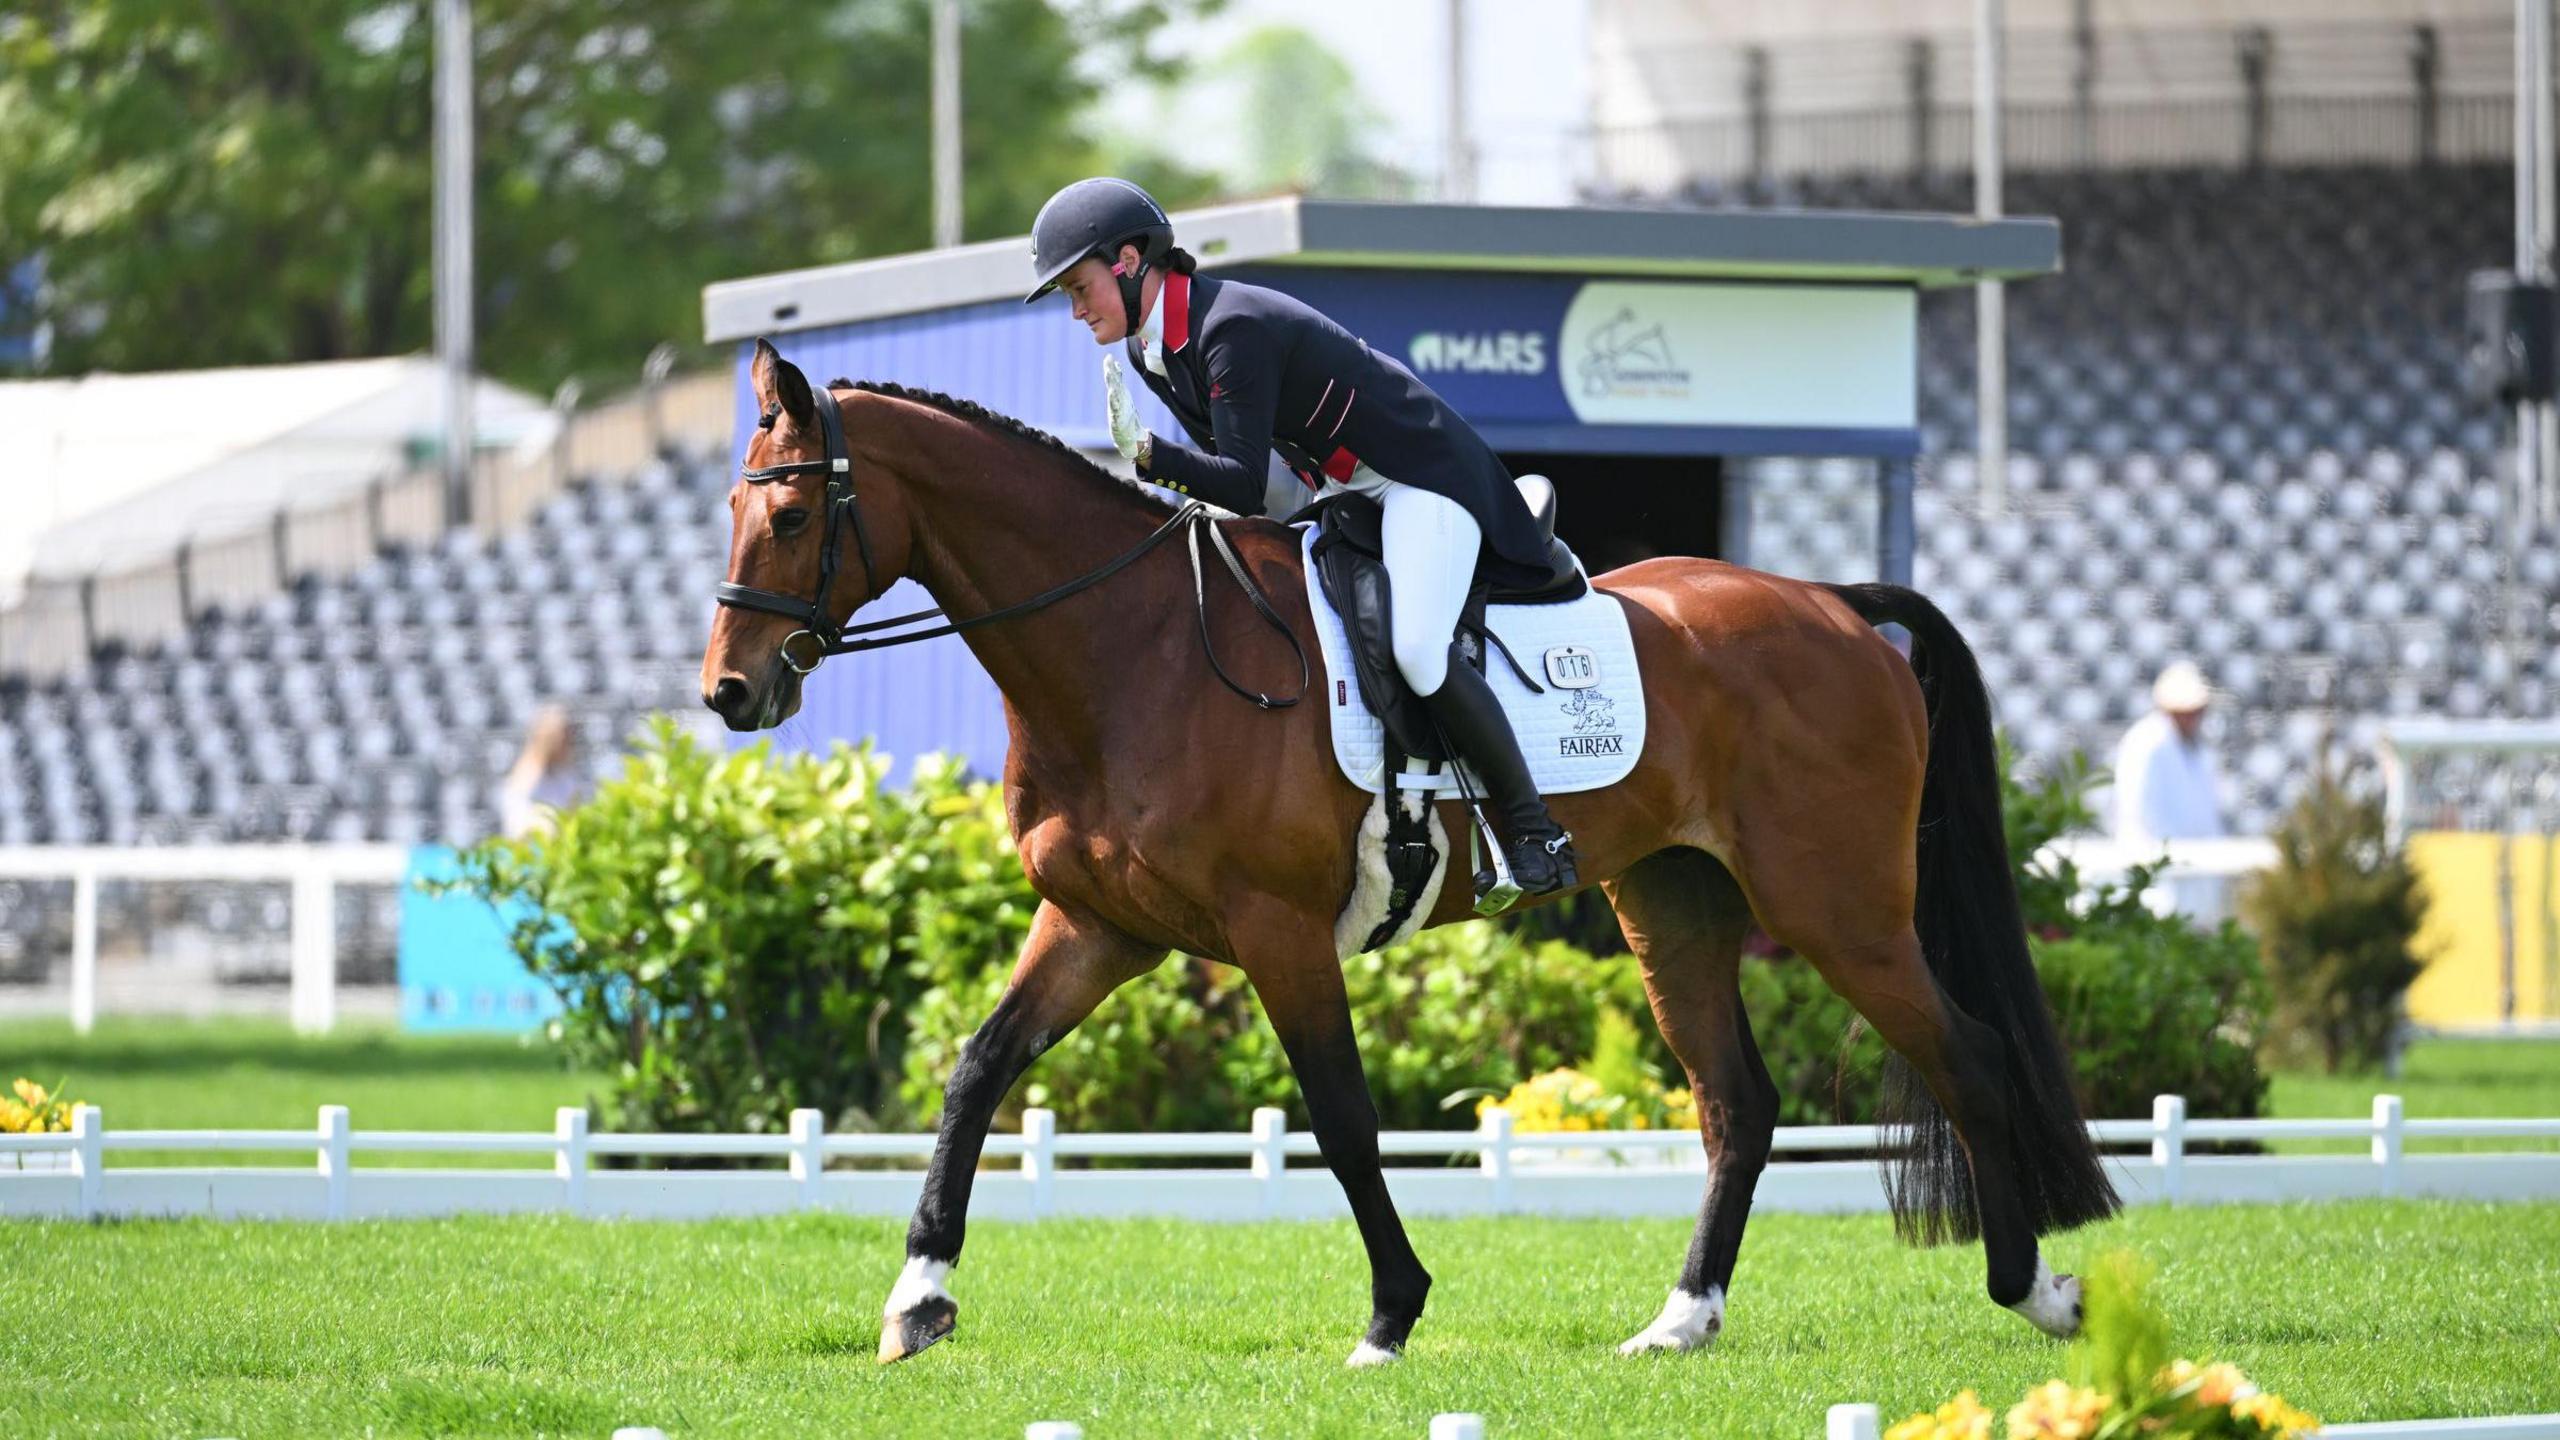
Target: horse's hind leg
{"points": [[1961, 1061], [1685, 918]]}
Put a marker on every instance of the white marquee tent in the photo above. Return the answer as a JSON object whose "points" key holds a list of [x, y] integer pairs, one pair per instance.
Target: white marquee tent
{"points": [[108, 472]]}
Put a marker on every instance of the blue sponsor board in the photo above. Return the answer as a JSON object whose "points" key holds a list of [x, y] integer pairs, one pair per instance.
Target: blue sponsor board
{"points": [[1486, 343], [457, 971]]}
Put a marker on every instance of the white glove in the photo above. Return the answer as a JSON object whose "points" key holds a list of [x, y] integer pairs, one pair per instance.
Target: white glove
{"points": [[1126, 433]]}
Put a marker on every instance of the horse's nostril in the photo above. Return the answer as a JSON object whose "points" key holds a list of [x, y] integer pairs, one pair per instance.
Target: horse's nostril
{"points": [[728, 697]]}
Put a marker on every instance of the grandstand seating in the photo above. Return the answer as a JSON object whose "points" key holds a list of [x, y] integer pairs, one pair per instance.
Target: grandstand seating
{"points": [[2238, 433], [385, 705]]}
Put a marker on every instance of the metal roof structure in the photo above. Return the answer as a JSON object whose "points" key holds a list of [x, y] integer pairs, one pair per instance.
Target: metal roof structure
{"points": [[108, 472], [1834, 246]]}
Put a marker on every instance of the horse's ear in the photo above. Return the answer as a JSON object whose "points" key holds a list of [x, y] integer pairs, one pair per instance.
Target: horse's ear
{"points": [[780, 385]]}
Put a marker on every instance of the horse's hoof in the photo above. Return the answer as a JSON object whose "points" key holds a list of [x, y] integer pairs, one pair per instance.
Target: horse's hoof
{"points": [[1687, 1322], [919, 1311], [904, 1335], [2053, 1303], [1366, 1356]]}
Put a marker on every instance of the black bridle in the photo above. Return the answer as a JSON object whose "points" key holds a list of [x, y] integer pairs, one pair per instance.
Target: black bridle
{"points": [[1191, 519], [812, 612]]}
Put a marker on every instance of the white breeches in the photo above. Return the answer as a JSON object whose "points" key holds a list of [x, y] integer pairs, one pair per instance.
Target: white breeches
{"points": [[1431, 543]]}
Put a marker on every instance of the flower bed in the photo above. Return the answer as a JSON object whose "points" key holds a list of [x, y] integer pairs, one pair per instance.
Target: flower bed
{"points": [[2120, 1388]]}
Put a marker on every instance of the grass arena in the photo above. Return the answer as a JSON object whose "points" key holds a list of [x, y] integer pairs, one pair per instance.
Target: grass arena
{"points": [[1140, 1327], [546, 1324]]}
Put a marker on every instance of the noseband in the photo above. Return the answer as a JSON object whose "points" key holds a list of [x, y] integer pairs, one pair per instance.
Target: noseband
{"points": [[812, 612], [1189, 520]]}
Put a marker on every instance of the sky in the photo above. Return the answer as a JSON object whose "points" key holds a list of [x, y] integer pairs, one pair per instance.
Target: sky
{"points": [[1527, 84]]}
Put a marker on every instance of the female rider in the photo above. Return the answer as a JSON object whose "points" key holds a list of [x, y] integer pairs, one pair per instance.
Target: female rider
{"points": [[1248, 370]]}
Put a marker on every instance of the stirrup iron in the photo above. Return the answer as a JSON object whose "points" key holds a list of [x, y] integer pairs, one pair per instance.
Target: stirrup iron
{"points": [[1496, 891]]}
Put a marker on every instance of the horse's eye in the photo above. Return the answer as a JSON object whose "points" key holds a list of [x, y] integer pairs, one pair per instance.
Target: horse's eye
{"points": [[791, 521]]}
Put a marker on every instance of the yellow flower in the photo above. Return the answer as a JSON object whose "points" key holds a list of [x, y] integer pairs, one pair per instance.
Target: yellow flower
{"points": [[2271, 1413], [1962, 1418], [2217, 1384], [29, 1091], [2057, 1411]]}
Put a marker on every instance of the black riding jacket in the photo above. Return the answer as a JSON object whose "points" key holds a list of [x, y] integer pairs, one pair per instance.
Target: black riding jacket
{"points": [[1250, 370]]}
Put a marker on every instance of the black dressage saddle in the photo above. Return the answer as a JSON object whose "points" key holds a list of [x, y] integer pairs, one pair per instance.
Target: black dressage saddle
{"points": [[1350, 564]]}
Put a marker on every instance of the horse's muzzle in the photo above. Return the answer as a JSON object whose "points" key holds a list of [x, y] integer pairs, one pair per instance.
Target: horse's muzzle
{"points": [[733, 702]]}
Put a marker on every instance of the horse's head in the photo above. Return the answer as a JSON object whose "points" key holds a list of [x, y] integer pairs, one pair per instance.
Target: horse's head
{"points": [[802, 556]]}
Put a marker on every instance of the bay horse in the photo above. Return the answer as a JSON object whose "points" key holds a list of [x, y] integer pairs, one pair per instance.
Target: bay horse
{"points": [[1797, 771]]}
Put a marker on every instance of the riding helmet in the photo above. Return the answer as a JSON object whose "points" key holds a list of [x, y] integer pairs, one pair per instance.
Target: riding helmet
{"points": [[1095, 218]]}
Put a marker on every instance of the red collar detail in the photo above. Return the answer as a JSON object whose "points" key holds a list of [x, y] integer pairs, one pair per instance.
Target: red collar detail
{"points": [[1176, 299]]}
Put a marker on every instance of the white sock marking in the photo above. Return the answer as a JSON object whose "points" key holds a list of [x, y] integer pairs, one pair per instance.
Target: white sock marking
{"points": [[1687, 1322], [2053, 1302], [1365, 1355], [919, 1282]]}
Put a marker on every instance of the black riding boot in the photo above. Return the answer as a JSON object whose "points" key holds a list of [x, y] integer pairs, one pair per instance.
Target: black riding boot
{"points": [[1540, 851]]}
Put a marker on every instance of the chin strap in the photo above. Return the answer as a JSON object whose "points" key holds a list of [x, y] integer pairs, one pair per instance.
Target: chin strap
{"points": [[1132, 291]]}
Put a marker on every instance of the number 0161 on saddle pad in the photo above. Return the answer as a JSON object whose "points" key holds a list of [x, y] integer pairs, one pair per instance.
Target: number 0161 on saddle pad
{"points": [[1582, 729]]}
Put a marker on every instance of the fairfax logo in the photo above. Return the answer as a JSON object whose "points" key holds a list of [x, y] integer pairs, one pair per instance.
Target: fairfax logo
{"points": [[1486, 352], [1591, 711], [1585, 745]]}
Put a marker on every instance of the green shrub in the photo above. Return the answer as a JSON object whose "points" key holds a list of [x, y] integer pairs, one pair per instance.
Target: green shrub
{"points": [[2035, 812], [2150, 1005], [1458, 1009], [736, 934], [2338, 918]]}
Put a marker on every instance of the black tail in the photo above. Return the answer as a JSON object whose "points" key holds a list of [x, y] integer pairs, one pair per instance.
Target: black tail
{"points": [[1975, 937]]}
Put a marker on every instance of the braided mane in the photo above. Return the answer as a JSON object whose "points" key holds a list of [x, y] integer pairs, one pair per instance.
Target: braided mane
{"points": [[979, 415]]}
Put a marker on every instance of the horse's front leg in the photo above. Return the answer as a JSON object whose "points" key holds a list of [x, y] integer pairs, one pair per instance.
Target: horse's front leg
{"points": [[1300, 983], [1069, 963]]}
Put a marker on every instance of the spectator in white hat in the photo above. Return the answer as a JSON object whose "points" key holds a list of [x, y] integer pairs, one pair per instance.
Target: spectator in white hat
{"points": [[2166, 786]]}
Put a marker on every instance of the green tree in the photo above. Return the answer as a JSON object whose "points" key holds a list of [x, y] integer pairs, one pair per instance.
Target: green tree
{"points": [[1304, 122], [225, 182]]}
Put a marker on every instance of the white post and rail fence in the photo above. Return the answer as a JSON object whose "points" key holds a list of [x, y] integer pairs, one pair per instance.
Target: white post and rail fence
{"points": [[1266, 1172], [314, 874]]}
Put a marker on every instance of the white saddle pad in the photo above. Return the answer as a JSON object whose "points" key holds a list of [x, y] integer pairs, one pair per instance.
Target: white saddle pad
{"points": [[1585, 731]]}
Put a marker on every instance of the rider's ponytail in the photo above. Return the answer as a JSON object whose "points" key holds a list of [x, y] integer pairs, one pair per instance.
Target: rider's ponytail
{"points": [[1179, 261]]}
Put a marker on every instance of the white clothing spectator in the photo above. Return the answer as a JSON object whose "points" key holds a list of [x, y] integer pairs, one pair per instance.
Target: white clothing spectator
{"points": [[2166, 784]]}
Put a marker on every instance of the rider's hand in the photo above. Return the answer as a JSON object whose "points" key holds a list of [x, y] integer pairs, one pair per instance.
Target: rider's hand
{"points": [[1126, 433]]}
